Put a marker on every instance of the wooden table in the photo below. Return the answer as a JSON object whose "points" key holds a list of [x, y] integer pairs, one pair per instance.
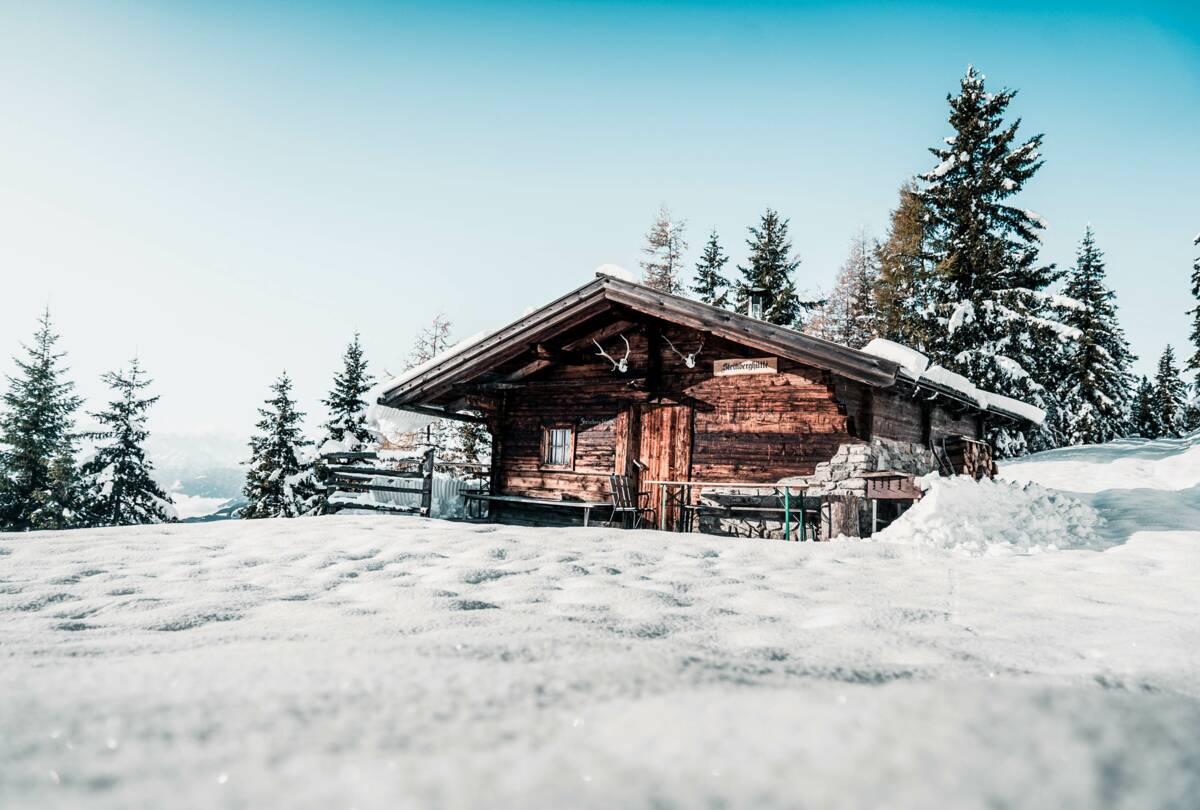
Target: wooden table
{"points": [[684, 490]]}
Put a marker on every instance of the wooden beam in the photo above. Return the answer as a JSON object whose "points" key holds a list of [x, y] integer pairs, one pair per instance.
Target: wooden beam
{"points": [[601, 335], [526, 370]]}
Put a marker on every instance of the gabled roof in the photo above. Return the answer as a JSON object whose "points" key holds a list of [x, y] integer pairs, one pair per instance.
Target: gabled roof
{"points": [[467, 361]]}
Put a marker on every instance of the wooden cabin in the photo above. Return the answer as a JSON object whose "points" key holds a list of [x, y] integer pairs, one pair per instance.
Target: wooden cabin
{"points": [[615, 377]]}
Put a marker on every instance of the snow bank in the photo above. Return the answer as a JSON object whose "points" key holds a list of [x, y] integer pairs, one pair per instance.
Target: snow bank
{"points": [[990, 518], [393, 663], [1159, 464]]}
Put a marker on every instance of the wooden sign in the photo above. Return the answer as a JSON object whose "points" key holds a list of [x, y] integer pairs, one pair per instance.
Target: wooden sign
{"points": [[752, 365]]}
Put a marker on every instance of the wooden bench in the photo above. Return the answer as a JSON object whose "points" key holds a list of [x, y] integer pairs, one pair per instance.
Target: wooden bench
{"points": [[524, 500]]}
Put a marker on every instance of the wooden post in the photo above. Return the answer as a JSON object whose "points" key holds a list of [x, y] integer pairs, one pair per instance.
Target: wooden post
{"points": [[427, 484], [843, 517]]}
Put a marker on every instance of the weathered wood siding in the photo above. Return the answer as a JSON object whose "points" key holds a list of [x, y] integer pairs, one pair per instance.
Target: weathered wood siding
{"points": [[763, 427], [748, 428], [906, 418]]}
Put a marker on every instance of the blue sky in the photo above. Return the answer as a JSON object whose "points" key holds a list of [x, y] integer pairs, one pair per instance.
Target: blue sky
{"points": [[230, 189]]}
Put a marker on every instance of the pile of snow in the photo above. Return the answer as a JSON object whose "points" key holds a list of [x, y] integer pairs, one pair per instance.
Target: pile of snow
{"points": [[991, 518], [1160, 464], [916, 366]]}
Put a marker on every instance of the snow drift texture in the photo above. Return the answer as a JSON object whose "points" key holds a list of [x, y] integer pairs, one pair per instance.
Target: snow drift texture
{"points": [[403, 663], [995, 517]]}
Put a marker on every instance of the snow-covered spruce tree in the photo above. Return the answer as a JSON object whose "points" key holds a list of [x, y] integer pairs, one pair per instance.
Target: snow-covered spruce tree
{"points": [[769, 272], [902, 289], [663, 265], [1095, 392], [1193, 363], [281, 481], [710, 285], [989, 316], [346, 428], [38, 489], [117, 486], [1170, 396], [849, 315], [1143, 421]]}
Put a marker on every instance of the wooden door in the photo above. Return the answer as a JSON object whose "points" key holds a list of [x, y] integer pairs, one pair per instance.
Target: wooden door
{"points": [[665, 453]]}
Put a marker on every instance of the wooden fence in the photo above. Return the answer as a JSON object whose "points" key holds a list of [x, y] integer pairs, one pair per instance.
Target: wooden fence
{"points": [[352, 477]]}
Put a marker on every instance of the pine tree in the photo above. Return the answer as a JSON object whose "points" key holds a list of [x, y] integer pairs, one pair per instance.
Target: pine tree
{"points": [[347, 424], [769, 274], [989, 316], [901, 294], [37, 447], [433, 340], [710, 285], [849, 315], [1192, 417], [1143, 420], [1095, 391], [118, 489], [1170, 396], [664, 253], [1193, 363], [281, 481], [474, 442]]}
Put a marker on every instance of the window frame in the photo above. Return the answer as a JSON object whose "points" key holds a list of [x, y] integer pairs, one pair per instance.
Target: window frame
{"points": [[547, 446]]}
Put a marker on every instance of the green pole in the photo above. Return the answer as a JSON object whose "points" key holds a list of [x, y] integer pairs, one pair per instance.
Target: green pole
{"points": [[787, 513]]}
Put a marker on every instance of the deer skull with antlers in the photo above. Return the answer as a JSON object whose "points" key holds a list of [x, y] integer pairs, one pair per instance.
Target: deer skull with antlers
{"points": [[621, 365], [689, 360]]}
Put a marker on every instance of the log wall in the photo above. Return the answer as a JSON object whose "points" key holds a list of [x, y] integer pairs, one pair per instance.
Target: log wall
{"points": [[752, 428]]}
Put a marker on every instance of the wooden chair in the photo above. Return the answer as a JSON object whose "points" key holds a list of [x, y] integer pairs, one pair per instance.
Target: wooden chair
{"points": [[627, 502]]}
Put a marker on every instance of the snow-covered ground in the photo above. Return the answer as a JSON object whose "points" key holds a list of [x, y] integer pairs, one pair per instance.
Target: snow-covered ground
{"points": [[396, 662]]}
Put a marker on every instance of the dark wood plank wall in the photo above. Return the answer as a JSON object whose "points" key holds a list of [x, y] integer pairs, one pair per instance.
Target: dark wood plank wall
{"points": [[947, 423], [899, 415]]}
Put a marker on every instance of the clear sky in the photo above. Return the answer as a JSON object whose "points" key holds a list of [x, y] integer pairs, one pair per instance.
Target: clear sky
{"points": [[231, 189]]}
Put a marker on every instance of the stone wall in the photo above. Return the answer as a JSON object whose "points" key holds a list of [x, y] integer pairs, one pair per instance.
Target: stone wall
{"points": [[842, 487], [838, 484]]}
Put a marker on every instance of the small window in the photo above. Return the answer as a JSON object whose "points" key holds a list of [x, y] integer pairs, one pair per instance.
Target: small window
{"points": [[558, 446]]}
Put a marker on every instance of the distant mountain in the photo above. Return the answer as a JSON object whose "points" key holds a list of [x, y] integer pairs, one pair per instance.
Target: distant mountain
{"points": [[201, 471], [227, 511]]}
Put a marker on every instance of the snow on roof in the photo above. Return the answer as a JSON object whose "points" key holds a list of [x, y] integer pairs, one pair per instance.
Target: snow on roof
{"points": [[957, 383], [999, 402], [418, 370], [615, 271], [908, 359], [916, 367]]}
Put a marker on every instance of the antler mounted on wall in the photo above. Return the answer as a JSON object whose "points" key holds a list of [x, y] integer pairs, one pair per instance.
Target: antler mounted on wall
{"points": [[689, 360], [621, 365]]}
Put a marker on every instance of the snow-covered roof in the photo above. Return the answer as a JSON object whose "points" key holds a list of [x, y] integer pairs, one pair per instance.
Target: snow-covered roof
{"points": [[436, 360], [916, 367], [881, 364]]}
